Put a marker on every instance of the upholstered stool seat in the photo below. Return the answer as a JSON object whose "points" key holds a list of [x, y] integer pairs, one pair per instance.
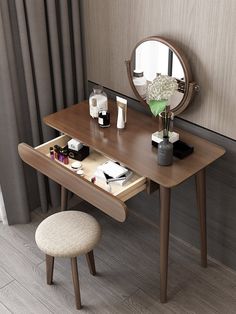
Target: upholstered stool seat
{"points": [[68, 234]]}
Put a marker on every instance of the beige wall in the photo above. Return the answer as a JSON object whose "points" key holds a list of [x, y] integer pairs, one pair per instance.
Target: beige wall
{"points": [[204, 29]]}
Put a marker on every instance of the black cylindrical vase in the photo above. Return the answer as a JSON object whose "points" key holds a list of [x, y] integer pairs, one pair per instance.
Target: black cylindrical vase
{"points": [[165, 152]]}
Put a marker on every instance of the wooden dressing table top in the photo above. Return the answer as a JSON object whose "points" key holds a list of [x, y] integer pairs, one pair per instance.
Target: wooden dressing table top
{"points": [[132, 146]]}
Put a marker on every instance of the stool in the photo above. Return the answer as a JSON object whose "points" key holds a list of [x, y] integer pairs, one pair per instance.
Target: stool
{"points": [[68, 234]]}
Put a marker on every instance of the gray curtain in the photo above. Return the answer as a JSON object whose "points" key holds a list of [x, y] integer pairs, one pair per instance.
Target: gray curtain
{"points": [[40, 73]]}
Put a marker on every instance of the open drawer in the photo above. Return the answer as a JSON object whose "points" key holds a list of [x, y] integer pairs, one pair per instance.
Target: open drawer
{"points": [[112, 203]]}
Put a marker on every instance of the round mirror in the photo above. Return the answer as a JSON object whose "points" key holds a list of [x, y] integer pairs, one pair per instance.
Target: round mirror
{"points": [[154, 56]]}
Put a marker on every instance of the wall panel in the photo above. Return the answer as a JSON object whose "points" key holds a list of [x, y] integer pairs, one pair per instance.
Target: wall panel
{"points": [[204, 29]]}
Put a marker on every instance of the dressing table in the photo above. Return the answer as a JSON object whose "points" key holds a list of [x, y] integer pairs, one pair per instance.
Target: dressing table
{"points": [[133, 148]]}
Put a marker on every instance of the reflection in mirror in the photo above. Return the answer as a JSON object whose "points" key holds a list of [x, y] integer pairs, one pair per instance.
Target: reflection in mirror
{"points": [[153, 58]]}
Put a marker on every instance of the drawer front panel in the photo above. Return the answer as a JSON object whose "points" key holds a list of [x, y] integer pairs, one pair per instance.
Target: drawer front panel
{"points": [[98, 197]]}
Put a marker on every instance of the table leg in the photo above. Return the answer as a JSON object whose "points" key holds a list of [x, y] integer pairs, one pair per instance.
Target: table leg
{"points": [[64, 198], [165, 194], [200, 180]]}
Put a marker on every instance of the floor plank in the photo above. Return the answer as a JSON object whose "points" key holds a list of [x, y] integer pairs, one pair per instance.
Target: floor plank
{"points": [[5, 278], [141, 303], [4, 310], [32, 279], [22, 238], [19, 300], [95, 293]]}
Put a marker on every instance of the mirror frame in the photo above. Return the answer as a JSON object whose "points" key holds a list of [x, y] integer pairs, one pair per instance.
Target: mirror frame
{"points": [[189, 86]]}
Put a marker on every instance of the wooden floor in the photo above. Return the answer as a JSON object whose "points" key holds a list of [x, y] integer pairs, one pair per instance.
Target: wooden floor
{"points": [[127, 263]]}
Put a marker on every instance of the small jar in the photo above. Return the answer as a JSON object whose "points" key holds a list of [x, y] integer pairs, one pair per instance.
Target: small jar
{"points": [[97, 101], [104, 119], [140, 82], [76, 165]]}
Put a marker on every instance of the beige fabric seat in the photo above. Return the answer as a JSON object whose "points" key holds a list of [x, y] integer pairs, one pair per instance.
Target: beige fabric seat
{"points": [[68, 234]]}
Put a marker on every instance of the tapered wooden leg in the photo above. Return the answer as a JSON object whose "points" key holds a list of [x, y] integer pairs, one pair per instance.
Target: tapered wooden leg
{"points": [[49, 268], [91, 263], [75, 278], [64, 198], [200, 180], [164, 240]]}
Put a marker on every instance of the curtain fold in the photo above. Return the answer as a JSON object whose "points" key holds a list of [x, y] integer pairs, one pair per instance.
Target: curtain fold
{"points": [[40, 72], [3, 216]]}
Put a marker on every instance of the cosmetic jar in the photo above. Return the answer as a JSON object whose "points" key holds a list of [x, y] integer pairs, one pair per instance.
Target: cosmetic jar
{"points": [[104, 119], [80, 172], [75, 166]]}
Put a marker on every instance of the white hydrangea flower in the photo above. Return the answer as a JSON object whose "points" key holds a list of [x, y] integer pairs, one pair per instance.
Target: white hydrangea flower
{"points": [[162, 87]]}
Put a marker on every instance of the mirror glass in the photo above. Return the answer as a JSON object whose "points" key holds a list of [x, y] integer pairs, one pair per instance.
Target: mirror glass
{"points": [[155, 57], [152, 58]]}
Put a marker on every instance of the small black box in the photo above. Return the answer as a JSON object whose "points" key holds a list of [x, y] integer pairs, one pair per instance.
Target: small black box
{"points": [[79, 155], [181, 149]]}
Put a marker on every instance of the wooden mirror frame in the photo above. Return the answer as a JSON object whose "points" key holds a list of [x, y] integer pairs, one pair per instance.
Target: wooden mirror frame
{"points": [[189, 86]]}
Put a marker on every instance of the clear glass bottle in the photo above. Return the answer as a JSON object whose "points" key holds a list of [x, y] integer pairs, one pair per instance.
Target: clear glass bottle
{"points": [[97, 101], [140, 83]]}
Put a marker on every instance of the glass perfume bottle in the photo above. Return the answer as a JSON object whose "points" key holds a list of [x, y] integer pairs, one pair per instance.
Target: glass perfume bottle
{"points": [[97, 101]]}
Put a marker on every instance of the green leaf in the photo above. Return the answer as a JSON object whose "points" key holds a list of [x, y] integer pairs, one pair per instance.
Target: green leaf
{"points": [[157, 106]]}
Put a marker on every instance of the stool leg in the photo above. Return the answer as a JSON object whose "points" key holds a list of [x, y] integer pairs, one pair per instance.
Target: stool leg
{"points": [[64, 198], [49, 268], [91, 263], [75, 278]]}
